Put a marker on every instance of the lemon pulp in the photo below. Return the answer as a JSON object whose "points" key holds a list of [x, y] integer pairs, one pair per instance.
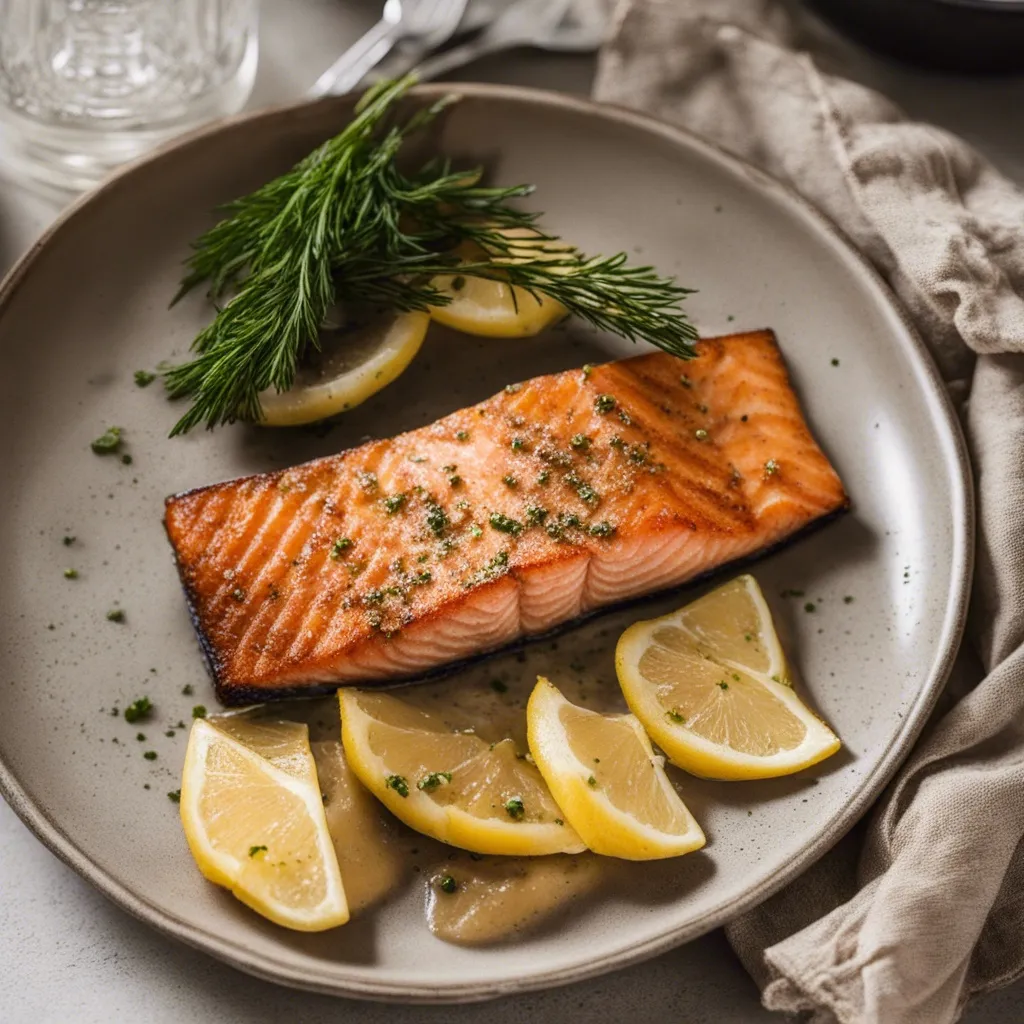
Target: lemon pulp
{"points": [[608, 781], [710, 685], [254, 820], [453, 786]]}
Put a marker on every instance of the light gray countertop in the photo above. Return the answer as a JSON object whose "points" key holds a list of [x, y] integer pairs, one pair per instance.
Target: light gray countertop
{"points": [[69, 955]]}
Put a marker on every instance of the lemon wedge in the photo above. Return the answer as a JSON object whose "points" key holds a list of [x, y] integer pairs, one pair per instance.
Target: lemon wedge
{"points": [[450, 785], [709, 684], [496, 309], [355, 363], [607, 779], [254, 820]]}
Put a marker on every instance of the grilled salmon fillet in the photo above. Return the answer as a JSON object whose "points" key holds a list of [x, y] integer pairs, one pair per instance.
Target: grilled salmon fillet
{"points": [[556, 497]]}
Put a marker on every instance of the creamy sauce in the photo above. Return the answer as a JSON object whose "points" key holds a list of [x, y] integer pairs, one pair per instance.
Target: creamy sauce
{"points": [[492, 899]]}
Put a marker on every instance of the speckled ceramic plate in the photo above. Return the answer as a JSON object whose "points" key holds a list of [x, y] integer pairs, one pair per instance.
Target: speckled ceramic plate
{"points": [[89, 305]]}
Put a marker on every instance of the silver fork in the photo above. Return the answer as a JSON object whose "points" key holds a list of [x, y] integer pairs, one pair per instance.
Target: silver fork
{"points": [[548, 24], [429, 23]]}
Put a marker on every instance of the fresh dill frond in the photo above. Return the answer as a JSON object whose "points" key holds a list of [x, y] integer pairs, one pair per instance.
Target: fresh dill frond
{"points": [[347, 224]]}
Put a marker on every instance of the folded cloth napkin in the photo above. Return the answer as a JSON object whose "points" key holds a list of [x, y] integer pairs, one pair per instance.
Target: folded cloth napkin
{"points": [[922, 906]]}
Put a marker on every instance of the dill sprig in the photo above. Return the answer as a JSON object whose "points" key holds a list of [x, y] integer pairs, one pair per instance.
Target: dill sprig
{"points": [[347, 224]]}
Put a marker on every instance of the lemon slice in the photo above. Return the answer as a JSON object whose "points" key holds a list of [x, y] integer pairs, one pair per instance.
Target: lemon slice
{"points": [[607, 779], [450, 785], [709, 684], [354, 364], [254, 820], [495, 309]]}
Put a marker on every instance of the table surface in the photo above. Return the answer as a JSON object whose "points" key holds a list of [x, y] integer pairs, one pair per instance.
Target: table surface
{"points": [[68, 954]]}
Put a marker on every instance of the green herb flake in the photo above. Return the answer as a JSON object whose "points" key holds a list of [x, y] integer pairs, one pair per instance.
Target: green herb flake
{"points": [[340, 546], [393, 503], [140, 737], [587, 493], [108, 442], [454, 480], [518, 444], [510, 481], [603, 529], [771, 468], [431, 781], [115, 615], [685, 381], [68, 541], [604, 404], [723, 684], [499, 686], [505, 524], [437, 519], [674, 716], [199, 711], [592, 782], [138, 710], [398, 783], [174, 796], [511, 389], [461, 435], [238, 594], [849, 599], [514, 808], [790, 592], [150, 755], [367, 480], [617, 442], [580, 442], [543, 477], [143, 378], [835, 362], [810, 607], [475, 531], [187, 690], [588, 369], [71, 574], [448, 884], [253, 850], [535, 515]]}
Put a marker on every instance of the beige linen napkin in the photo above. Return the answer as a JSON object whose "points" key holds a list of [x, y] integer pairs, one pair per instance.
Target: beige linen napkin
{"points": [[923, 906]]}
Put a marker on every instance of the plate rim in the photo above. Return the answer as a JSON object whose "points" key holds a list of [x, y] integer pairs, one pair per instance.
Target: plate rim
{"points": [[53, 836]]}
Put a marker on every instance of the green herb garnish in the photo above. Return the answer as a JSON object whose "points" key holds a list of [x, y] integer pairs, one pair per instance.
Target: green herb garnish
{"points": [[150, 755], [71, 574], [199, 711], [138, 710], [143, 378], [504, 524], [108, 442], [174, 796], [398, 783], [347, 224], [514, 808], [253, 850], [340, 546], [448, 884], [431, 781], [604, 404], [115, 615]]}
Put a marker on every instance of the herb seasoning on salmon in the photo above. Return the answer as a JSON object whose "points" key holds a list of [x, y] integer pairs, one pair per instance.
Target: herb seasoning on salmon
{"points": [[586, 527]]}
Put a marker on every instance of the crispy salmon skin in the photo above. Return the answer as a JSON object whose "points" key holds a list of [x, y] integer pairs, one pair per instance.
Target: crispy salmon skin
{"points": [[556, 497]]}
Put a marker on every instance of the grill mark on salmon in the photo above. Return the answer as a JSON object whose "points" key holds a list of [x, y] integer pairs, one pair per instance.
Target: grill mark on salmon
{"points": [[507, 519]]}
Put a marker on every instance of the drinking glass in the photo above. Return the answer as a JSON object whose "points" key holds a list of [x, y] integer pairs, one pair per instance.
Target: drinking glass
{"points": [[87, 84]]}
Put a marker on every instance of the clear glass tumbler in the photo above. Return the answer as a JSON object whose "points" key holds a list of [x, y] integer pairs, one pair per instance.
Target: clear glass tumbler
{"points": [[87, 84]]}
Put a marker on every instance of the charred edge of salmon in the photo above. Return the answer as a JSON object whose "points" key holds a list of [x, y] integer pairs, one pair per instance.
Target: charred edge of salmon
{"points": [[239, 695]]}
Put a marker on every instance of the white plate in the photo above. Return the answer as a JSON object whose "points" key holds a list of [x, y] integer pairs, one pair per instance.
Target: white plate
{"points": [[88, 306]]}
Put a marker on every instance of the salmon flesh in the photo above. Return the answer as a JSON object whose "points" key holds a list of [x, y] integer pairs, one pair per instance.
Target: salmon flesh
{"points": [[557, 497]]}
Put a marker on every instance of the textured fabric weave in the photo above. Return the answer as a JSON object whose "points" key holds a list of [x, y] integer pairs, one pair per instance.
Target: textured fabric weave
{"points": [[923, 904]]}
